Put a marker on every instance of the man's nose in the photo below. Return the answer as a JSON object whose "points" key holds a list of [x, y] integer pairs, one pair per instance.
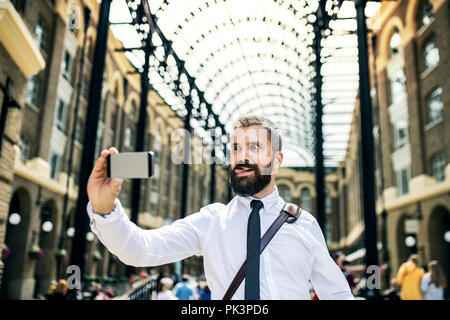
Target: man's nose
{"points": [[243, 153]]}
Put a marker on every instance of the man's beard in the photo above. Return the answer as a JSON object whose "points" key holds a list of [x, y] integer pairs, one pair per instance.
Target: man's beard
{"points": [[251, 184]]}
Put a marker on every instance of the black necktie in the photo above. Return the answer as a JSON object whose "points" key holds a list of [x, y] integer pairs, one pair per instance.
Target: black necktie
{"points": [[253, 249]]}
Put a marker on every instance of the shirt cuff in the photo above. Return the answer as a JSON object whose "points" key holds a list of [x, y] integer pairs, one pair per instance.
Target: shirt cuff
{"points": [[97, 218]]}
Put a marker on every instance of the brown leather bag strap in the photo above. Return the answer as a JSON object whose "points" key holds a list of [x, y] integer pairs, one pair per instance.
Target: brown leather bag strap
{"points": [[290, 213]]}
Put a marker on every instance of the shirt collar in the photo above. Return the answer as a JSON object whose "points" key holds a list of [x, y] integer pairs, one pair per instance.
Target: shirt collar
{"points": [[268, 201]]}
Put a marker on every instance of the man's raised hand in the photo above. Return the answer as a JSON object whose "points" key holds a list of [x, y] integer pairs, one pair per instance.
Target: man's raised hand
{"points": [[102, 191]]}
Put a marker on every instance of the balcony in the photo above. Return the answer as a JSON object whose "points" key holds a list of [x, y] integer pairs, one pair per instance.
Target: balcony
{"points": [[18, 41]]}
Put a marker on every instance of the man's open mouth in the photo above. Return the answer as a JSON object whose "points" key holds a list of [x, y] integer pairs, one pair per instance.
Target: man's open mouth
{"points": [[240, 170]]}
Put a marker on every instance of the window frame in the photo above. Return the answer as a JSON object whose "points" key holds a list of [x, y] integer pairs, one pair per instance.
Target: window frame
{"points": [[439, 171], [309, 207], [127, 137], [431, 120], [421, 14], [61, 124], [66, 66], [24, 145], [32, 91], [400, 142], [430, 40], [41, 38], [55, 168], [402, 188]]}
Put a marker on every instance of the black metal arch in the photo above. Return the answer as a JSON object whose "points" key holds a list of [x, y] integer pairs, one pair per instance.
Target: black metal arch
{"points": [[230, 63], [263, 108], [241, 20], [225, 46], [141, 15], [259, 107], [217, 27], [246, 39], [243, 74], [198, 10], [303, 67], [266, 84]]}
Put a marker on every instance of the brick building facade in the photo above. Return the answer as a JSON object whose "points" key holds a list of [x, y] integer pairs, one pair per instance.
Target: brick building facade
{"points": [[409, 60], [36, 146]]}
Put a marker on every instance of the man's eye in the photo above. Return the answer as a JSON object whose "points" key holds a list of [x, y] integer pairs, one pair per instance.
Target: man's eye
{"points": [[255, 147]]}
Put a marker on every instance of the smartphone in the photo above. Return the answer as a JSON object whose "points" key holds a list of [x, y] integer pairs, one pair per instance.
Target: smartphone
{"points": [[130, 165]]}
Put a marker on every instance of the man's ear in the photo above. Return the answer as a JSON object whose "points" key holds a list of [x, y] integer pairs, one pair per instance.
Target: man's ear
{"points": [[278, 160]]}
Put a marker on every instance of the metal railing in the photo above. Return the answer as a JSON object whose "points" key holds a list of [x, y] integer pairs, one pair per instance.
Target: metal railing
{"points": [[141, 290]]}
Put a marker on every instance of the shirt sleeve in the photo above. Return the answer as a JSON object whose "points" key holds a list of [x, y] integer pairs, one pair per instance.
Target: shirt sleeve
{"points": [[327, 279], [138, 247]]}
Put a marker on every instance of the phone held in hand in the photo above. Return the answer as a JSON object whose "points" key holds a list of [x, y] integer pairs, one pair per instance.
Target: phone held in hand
{"points": [[130, 165]]}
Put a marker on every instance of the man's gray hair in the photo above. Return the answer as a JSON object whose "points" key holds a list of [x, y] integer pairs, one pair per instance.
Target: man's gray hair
{"points": [[273, 131]]}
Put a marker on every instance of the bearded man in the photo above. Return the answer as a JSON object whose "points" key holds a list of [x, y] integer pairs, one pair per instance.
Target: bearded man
{"points": [[224, 234]]}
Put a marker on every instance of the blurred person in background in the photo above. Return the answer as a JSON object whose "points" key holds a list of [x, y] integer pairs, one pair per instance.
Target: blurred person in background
{"points": [[166, 290], [203, 292], [182, 289], [392, 292], [60, 293], [433, 282], [52, 288], [343, 265], [409, 277]]}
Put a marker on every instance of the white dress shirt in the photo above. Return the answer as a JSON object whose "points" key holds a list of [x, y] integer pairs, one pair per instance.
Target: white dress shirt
{"points": [[296, 255]]}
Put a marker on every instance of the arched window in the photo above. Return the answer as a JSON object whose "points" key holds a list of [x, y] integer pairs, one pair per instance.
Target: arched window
{"points": [[424, 13], [305, 199], [285, 193], [395, 44]]}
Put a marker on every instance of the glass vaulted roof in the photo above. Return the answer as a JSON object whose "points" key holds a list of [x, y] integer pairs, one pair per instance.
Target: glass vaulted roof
{"points": [[255, 56]]}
